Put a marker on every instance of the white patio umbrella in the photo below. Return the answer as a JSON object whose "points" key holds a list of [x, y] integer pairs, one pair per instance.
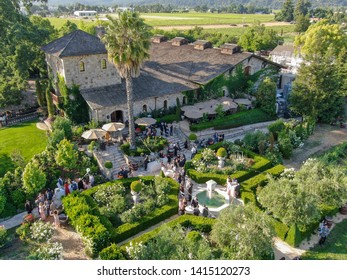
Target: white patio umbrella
{"points": [[193, 114], [113, 126], [96, 133], [188, 108], [145, 121]]}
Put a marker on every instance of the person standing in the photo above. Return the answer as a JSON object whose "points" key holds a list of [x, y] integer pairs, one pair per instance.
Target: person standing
{"points": [[323, 234], [42, 211], [28, 207], [56, 219], [145, 162]]}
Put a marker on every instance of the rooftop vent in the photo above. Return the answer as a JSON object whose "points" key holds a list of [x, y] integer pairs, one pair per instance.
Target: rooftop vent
{"points": [[158, 39], [202, 44], [179, 41], [230, 48]]}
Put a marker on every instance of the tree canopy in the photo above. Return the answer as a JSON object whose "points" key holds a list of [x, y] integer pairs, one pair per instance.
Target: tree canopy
{"points": [[20, 54], [257, 38], [243, 233]]}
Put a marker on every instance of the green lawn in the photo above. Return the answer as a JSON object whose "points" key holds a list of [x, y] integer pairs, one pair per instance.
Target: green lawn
{"points": [[335, 246], [25, 138]]}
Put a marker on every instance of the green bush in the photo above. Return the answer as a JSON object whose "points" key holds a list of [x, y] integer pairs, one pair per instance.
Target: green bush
{"points": [[192, 137], [95, 235], [108, 164], [195, 223], [111, 252], [3, 236], [169, 118], [276, 127], [285, 145], [194, 236], [136, 186], [221, 152]]}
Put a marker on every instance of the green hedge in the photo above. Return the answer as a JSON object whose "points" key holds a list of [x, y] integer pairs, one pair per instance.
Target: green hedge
{"points": [[192, 222], [260, 165], [127, 230], [234, 120], [248, 188]]}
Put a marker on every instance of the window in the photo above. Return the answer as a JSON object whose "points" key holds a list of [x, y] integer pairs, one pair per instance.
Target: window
{"points": [[144, 108], [165, 104], [103, 64], [82, 68], [247, 71], [184, 100]]}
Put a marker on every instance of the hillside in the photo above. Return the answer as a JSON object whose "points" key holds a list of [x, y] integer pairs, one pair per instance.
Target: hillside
{"points": [[276, 4]]}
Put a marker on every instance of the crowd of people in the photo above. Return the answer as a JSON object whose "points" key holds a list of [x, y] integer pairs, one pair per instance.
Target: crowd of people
{"points": [[48, 203]]}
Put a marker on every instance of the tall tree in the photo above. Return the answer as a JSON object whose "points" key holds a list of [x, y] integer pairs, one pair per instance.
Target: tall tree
{"points": [[266, 96], [301, 8], [321, 39], [302, 23], [319, 89], [127, 41], [257, 37], [287, 12]]}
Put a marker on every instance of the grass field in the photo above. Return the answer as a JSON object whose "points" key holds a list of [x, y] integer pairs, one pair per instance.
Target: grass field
{"points": [[169, 19], [172, 19], [335, 246], [25, 138]]}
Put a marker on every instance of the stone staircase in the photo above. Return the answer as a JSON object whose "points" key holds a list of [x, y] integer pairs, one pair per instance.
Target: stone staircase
{"points": [[112, 154]]}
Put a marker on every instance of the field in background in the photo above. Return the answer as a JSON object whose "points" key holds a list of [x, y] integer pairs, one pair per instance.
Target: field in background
{"points": [[211, 23]]}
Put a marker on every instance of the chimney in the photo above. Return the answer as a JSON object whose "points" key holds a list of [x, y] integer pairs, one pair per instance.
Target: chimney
{"points": [[158, 39], [179, 41], [202, 44], [230, 48]]}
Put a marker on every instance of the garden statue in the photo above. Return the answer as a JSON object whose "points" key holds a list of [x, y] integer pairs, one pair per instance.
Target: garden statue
{"points": [[136, 187], [221, 154]]}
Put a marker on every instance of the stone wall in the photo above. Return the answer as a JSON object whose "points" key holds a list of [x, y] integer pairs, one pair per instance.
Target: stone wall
{"points": [[93, 75], [152, 103]]}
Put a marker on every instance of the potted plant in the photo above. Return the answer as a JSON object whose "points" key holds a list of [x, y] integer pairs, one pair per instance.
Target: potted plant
{"points": [[221, 154], [108, 166]]}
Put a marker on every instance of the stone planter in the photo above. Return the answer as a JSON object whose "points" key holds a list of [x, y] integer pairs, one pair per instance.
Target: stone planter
{"points": [[221, 162], [343, 209]]}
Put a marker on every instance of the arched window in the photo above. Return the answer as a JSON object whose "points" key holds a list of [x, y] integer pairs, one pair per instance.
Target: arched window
{"points": [[103, 64], [184, 100], [165, 104], [144, 108], [247, 70], [82, 67]]}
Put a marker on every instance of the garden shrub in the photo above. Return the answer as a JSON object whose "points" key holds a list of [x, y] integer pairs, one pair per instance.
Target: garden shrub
{"points": [[136, 186], [194, 236], [47, 251], [94, 234], [150, 144], [111, 252], [285, 145], [276, 127], [221, 152], [195, 223], [3, 236], [108, 164], [192, 137]]}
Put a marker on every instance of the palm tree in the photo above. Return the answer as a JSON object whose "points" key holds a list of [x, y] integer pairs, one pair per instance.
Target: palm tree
{"points": [[127, 42]]}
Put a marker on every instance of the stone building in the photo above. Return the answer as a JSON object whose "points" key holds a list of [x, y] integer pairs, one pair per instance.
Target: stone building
{"points": [[286, 56], [175, 68]]}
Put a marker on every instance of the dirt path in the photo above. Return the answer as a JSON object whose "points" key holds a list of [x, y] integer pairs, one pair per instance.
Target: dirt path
{"points": [[324, 137], [72, 243], [216, 26]]}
